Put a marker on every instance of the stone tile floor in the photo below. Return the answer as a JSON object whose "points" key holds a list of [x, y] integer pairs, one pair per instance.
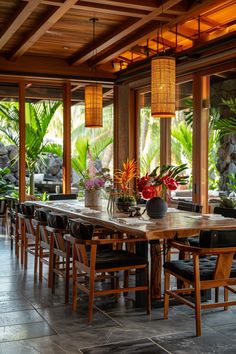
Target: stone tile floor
{"points": [[32, 320]]}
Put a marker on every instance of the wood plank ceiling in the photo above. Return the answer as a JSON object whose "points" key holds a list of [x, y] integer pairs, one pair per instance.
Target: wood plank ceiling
{"points": [[56, 35]]}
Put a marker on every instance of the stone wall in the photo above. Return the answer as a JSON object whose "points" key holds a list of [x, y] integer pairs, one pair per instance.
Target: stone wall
{"points": [[51, 166]]}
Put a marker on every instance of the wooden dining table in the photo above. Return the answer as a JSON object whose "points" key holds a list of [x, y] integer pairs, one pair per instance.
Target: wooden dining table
{"points": [[176, 223]]}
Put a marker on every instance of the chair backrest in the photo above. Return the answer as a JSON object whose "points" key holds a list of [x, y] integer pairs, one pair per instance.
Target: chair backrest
{"points": [[189, 206], [227, 212], [81, 229], [57, 220], [217, 238], [61, 196], [3, 206]]}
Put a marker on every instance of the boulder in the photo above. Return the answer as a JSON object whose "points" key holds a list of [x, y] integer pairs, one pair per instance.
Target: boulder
{"points": [[3, 150]]}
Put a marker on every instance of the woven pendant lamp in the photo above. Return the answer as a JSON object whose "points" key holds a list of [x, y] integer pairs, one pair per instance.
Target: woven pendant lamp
{"points": [[163, 74], [93, 106], [93, 96]]}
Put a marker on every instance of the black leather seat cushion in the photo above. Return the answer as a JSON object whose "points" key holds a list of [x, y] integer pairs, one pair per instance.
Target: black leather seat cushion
{"points": [[194, 241], [113, 259], [207, 267]]}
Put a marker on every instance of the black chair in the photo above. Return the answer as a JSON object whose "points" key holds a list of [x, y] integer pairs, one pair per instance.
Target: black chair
{"points": [[3, 214], [62, 196], [211, 266], [197, 208], [227, 212]]}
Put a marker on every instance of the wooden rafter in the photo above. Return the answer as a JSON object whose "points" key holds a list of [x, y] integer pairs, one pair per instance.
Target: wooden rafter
{"points": [[164, 42], [121, 33], [184, 32], [101, 8], [17, 20], [48, 22], [132, 41]]}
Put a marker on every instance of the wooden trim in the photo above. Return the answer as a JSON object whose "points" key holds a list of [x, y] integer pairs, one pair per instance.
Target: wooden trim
{"points": [[116, 134], [22, 141], [66, 170], [201, 96]]}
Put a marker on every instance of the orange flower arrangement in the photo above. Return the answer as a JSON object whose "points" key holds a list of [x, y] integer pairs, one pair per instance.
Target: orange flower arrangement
{"points": [[124, 176]]}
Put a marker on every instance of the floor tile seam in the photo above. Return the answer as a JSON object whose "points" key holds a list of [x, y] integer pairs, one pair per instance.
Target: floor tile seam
{"points": [[160, 346], [44, 319], [107, 315], [112, 343], [24, 339], [20, 324]]}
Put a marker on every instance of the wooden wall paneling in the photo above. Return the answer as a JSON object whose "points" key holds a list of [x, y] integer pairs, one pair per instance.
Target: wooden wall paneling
{"points": [[201, 95], [66, 170], [22, 141]]}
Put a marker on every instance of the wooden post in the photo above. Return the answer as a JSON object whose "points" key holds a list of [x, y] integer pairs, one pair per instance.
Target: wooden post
{"points": [[124, 124], [165, 141], [66, 171], [201, 96], [22, 141]]}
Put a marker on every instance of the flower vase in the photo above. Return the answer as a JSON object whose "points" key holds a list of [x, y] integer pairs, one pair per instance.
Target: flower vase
{"points": [[156, 208], [93, 198]]}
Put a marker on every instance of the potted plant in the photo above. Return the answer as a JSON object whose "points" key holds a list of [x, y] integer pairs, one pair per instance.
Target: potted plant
{"points": [[123, 178], [155, 187], [93, 181]]}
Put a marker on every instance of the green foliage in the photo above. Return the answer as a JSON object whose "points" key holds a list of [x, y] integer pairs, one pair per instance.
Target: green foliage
{"points": [[5, 187], [227, 126], [232, 183], [227, 202]]}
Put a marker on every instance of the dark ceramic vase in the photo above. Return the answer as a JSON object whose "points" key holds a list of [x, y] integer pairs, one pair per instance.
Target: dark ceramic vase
{"points": [[156, 208]]}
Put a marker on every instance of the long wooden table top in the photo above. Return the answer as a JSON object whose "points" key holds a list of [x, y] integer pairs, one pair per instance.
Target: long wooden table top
{"points": [[175, 223]]}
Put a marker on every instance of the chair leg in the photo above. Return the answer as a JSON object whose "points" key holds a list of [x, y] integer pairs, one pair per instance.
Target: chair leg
{"points": [[67, 280], [36, 256], [41, 264], [148, 300], [166, 296], [74, 288], [197, 296], [216, 294], [25, 252], [226, 297], [91, 295]]}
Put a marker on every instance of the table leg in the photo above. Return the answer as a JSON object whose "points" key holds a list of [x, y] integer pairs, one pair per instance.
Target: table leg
{"points": [[156, 269]]}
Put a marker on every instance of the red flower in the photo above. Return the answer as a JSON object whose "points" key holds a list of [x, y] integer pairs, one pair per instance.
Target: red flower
{"points": [[142, 182], [170, 183], [149, 192]]}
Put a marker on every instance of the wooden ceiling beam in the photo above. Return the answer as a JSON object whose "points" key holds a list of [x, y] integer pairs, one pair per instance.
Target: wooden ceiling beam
{"points": [[184, 32], [100, 8], [53, 16], [22, 13], [194, 11], [120, 33], [147, 5], [164, 42]]}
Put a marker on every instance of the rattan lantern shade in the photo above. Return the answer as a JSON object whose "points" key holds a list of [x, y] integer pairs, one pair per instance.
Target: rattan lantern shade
{"points": [[163, 74], [93, 106]]}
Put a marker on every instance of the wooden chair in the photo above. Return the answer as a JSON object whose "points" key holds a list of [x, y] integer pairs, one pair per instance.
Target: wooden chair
{"points": [[89, 264], [44, 244], [60, 261], [200, 273], [11, 215]]}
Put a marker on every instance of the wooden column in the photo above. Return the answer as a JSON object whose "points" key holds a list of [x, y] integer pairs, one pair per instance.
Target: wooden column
{"points": [[66, 171], [165, 141], [21, 141], [124, 124], [201, 97]]}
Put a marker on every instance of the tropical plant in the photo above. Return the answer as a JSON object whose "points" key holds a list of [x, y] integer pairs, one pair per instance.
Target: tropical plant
{"points": [[123, 177], [38, 117], [5, 186], [227, 126]]}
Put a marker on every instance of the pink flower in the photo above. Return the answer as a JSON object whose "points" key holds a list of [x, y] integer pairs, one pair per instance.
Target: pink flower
{"points": [[142, 182]]}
